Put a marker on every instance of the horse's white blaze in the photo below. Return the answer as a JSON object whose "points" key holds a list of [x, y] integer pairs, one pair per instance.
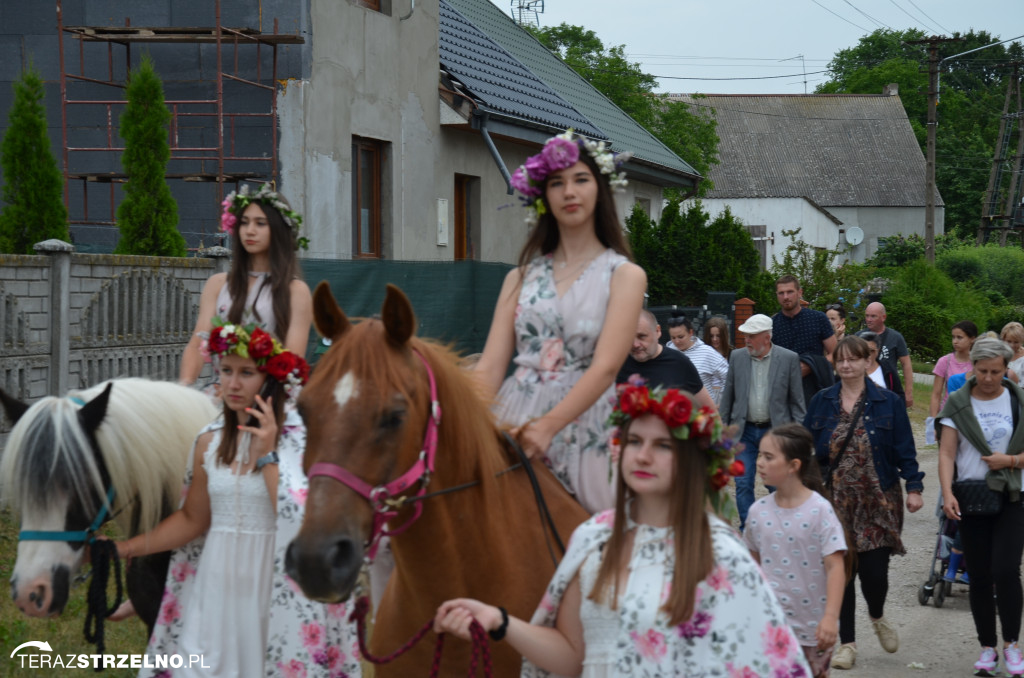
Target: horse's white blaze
{"points": [[346, 389], [38, 558]]}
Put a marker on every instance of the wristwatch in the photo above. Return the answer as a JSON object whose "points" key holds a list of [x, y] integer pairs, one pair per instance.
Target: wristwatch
{"points": [[269, 458]]}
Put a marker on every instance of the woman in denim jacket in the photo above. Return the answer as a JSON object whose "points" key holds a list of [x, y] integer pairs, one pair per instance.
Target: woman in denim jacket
{"points": [[867, 496]]}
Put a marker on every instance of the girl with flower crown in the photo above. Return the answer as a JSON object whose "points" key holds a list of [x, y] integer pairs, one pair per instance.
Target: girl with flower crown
{"points": [[227, 598], [574, 273], [263, 285], [659, 585]]}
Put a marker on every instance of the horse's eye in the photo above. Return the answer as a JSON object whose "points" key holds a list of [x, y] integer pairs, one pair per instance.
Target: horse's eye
{"points": [[391, 420]]}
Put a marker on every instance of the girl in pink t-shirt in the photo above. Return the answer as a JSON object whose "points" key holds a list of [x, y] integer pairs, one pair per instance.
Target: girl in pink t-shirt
{"points": [[797, 538], [958, 362]]}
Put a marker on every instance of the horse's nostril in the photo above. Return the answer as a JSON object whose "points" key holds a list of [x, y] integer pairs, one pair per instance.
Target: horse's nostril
{"points": [[341, 554], [32, 596]]}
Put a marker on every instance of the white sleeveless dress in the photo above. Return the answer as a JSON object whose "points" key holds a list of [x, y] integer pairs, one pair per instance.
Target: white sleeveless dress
{"points": [[226, 617], [259, 304]]}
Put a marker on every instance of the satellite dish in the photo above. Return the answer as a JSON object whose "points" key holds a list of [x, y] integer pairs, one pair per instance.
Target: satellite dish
{"points": [[855, 235]]}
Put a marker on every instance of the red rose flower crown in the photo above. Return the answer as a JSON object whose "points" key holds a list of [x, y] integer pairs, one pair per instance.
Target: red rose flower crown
{"points": [[685, 421], [251, 341]]}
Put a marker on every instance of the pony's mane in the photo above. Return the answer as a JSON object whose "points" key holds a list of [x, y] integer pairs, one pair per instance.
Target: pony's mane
{"points": [[145, 438], [467, 424]]}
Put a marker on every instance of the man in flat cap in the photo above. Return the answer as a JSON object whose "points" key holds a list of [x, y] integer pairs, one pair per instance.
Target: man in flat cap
{"points": [[763, 389]]}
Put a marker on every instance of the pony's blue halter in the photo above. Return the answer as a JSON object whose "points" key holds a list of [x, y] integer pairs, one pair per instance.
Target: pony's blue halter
{"points": [[87, 535]]}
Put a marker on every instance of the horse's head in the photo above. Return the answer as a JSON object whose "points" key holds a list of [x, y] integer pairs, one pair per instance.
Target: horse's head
{"points": [[366, 409], [52, 473]]}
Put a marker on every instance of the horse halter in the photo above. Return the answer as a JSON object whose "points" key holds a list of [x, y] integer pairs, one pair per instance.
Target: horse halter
{"points": [[86, 536], [385, 499]]}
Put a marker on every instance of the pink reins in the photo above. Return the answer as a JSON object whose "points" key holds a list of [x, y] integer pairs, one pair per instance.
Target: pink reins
{"points": [[387, 500]]}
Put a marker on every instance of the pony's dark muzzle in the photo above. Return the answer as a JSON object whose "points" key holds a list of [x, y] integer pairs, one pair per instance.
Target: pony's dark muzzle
{"points": [[326, 570]]}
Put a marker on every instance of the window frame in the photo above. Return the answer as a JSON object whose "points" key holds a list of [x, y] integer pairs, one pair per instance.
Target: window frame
{"points": [[376, 149]]}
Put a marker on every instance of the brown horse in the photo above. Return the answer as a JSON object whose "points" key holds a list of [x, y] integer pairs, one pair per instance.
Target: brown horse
{"points": [[366, 408]]}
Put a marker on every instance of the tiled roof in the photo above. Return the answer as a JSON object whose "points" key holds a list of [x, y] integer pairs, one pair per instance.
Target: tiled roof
{"points": [[498, 80], [840, 150], [624, 133]]}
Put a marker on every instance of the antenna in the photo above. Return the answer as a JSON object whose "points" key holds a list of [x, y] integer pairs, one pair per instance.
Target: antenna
{"points": [[527, 12], [803, 64]]}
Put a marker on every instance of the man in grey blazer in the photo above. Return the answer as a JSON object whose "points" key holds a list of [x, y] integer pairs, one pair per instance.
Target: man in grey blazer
{"points": [[763, 389]]}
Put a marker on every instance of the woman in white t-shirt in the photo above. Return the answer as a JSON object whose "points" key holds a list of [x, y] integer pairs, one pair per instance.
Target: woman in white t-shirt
{"points": [[980, 435]]}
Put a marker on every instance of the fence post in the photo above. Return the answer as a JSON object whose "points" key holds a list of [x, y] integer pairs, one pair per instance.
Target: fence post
{"points": [[220, 255], [60, 306], [744, 309]]}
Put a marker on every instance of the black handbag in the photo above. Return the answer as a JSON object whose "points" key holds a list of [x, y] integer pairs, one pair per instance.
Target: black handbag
{"points": [[977, 499]]}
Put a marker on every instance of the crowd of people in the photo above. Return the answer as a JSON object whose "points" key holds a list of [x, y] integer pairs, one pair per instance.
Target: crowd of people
{"points": [[645, 430]]}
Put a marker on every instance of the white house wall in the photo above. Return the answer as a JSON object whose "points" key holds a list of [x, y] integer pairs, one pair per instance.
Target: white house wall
{"points": [[882, 222], [779, 214]]}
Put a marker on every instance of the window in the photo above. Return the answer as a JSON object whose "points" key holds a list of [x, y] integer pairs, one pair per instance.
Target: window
{"points": [[467, 217], [367, 172], [382, 6], [759, 234]]}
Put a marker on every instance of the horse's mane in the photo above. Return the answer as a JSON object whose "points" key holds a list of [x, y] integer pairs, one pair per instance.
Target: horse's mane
{"points": [[144, 439], [467, 424]]}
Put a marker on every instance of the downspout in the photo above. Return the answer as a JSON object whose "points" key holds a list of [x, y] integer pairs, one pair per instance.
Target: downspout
{"points": [[412, 8], [693, 191], [480, 123]]}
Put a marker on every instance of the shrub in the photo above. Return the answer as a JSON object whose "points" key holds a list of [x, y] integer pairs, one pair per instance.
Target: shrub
{"points": [[998, 268], [33, 186], [923, 303], [148, 215]]}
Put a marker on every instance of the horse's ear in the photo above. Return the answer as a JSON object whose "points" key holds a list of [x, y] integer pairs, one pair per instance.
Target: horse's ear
{"points": [[330, 320], [12, 406], [92, 412], [399, 320]]}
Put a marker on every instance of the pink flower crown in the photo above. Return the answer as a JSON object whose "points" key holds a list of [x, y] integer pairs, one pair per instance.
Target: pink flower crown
{"points": [[250, 341], [558, 153], [237, 201], [685, 421]]}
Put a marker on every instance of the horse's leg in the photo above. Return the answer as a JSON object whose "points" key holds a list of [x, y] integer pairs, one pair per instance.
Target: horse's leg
{"points": [[145, 580]]}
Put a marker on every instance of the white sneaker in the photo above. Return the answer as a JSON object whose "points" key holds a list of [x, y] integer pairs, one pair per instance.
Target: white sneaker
{"points": [[887, 635], [846, 656], [1013, 660], [987, 662]]}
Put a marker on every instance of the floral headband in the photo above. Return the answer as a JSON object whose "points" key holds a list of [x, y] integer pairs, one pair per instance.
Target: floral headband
{"points": [[237, 201], [250, 341], [558, 153], [685, 422]]}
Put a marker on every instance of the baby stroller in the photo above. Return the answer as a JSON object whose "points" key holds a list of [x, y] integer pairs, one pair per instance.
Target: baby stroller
{"points": [[937, 587]]}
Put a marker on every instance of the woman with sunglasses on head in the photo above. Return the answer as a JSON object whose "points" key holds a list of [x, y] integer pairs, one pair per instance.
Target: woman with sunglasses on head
{"points": [[710, 364]]}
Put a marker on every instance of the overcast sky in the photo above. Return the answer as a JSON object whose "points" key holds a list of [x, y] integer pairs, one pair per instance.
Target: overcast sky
{"points": [[711, 39]]}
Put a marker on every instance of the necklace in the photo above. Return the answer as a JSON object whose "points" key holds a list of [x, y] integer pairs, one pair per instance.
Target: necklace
{"points": [[566, 274]]}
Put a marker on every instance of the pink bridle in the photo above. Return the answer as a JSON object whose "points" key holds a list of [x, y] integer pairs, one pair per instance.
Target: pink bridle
{"points": [[385, 499]]}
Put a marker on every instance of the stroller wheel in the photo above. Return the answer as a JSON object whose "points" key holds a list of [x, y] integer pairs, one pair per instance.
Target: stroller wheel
{"points": [[940, 594], [923, 594]]}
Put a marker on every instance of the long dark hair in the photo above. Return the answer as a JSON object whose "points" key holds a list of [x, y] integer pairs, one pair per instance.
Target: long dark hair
{"points": [[723, 333], [284, 267], [544, 236], [228, 449], [694, 557], [796, 443]]}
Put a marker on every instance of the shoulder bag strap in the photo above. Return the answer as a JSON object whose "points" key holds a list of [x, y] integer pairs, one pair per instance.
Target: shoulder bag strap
{"points": [[846, 441]]}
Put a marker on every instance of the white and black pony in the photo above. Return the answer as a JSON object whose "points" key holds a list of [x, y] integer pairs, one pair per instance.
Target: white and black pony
{"points": [[116, 449]]}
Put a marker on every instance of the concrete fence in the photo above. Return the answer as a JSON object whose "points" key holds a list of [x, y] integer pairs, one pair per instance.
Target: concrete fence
{"points": [[70, 320]]}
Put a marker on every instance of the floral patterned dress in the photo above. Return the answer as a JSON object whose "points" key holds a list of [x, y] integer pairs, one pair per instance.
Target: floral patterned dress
{"points": [[738, 629], [555, 340], [301, 639], [874, 516]]}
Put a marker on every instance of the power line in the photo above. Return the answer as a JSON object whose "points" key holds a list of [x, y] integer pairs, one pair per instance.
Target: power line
{"points": [[915, 19], [946, 30], [762, 77], [871, 18], [840, 16]]}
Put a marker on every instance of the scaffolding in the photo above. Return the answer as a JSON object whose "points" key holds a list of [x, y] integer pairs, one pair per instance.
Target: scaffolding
{"points": [[219, 162]]}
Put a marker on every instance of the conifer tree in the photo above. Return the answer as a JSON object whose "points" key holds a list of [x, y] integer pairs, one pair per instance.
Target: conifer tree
{"points": [[34, 205], [148, 215]]}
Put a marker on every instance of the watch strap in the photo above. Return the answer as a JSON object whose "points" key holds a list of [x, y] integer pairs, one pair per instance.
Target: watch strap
{"points": [[269, 458]]}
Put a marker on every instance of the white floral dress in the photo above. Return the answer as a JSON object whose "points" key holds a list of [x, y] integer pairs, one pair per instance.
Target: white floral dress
{"points": [[302, 639], [555, 340], [738, 629]]}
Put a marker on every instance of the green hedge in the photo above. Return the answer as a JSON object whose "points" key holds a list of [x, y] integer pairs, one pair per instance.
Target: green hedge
{"points": [[1000, 269]]}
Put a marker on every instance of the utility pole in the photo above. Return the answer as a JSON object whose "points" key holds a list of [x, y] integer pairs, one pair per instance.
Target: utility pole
{"points": [[929, 172], [990, 212]]}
